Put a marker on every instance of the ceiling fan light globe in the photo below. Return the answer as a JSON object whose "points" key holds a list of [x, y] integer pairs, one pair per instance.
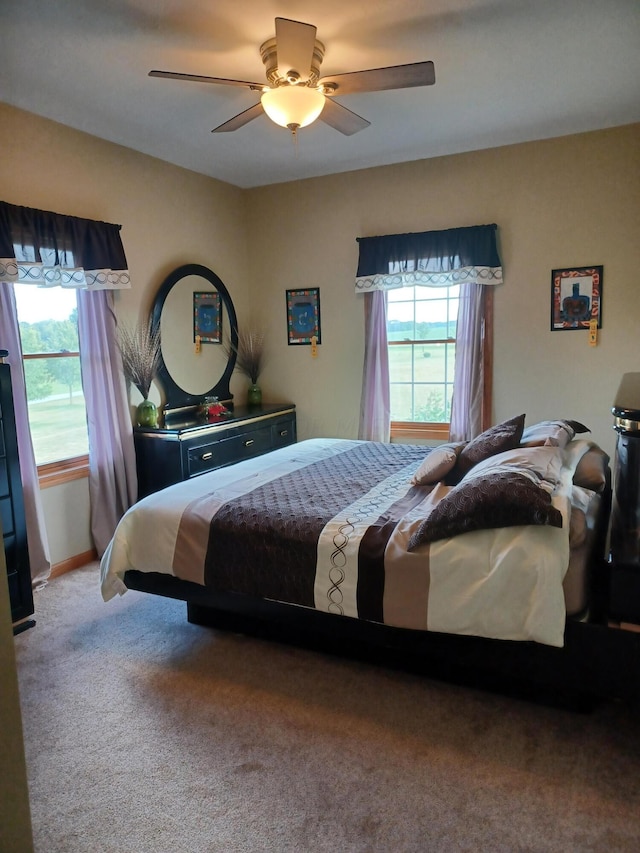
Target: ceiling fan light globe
{"points": [[297, 105]]}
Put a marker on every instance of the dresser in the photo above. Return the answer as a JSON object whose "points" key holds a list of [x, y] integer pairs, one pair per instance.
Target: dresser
{"points": [[14, 529], [189, 444]]}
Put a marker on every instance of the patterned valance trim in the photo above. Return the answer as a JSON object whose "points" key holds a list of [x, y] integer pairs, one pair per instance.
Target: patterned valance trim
{"points": [[420, 278], [50, 249], [46, 276]]}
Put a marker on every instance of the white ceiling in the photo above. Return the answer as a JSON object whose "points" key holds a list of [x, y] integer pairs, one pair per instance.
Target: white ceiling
{"points": [[507, 71]]}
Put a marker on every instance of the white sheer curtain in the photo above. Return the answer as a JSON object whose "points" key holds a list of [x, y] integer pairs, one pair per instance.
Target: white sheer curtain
{"points": [[37, 542]]}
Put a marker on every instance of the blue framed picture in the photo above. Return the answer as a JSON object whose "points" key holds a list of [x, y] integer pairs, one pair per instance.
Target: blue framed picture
{"points": [[303, 315], [207, 317]]}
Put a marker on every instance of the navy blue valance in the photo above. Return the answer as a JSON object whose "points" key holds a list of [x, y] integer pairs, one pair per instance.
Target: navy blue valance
{"points": [[429, 258], [51, 249]]}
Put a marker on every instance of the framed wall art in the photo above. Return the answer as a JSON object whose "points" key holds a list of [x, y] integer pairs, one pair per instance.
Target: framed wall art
{"points": [[303, 315], [207, 317], [576, 298]]}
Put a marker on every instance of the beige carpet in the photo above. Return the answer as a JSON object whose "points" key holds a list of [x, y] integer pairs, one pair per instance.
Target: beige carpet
{"points": [[146, 734]]}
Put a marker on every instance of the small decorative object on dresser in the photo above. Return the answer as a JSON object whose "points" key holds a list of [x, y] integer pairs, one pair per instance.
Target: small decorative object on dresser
{"points": [[140, 351]]}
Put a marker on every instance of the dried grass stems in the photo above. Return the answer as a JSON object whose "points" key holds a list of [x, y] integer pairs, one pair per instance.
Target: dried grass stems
{"points": [[140, 350], [249, 353]]}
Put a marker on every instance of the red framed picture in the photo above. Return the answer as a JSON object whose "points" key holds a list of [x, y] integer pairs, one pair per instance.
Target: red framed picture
{"points": [[576, 298]]}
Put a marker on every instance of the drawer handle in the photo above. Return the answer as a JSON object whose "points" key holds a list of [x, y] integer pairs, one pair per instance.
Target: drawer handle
{"points": [[206, 456], [248, 442], [284, 432]]}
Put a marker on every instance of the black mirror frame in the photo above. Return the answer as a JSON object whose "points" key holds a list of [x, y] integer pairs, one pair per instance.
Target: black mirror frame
{"points": [[175, 396]]}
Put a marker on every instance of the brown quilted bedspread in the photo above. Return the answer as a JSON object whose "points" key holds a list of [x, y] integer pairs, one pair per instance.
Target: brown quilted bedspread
{"points": [[264, 543]]}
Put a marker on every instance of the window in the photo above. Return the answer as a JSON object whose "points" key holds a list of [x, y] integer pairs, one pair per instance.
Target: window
{"points": [[48, 321], [463, 258], [421, 338]]}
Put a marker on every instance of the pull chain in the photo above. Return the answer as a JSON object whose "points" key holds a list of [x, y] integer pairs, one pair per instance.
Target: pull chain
{"points": [[294, 134]]}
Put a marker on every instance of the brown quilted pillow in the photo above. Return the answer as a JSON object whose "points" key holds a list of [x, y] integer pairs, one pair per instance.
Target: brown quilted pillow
{"points": [[504, 436], [500, 499]]}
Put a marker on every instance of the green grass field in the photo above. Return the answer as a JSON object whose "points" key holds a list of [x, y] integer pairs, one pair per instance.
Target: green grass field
{"points": [[421, 382], [58, 428]]}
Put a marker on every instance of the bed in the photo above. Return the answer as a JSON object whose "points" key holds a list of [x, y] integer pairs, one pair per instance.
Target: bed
{"points": [[481, 559]]}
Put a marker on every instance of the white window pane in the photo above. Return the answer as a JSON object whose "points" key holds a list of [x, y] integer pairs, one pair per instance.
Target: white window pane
{"points": [[401, 364], [401, 398], [431, 404], [430, 363], [421, 375], [57, 412], [35, 304], [430, 293], [400, 294], [56, 405]]}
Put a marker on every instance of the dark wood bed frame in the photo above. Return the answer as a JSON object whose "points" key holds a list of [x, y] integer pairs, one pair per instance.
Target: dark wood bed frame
{"points": [[598, 661]]}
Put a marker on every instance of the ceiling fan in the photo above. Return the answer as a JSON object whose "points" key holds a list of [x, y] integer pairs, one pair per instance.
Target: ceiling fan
{"points": [[295, 94]]}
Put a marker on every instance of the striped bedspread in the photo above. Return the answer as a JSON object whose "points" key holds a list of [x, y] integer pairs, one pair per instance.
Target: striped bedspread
{"points": [[325, 524]]}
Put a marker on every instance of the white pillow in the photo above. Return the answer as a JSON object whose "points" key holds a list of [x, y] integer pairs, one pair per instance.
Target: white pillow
{"points": [[551, 433], [435, 466], [542, 464]]}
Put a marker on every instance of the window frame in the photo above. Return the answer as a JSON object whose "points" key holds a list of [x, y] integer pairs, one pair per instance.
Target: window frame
{"points": [[71, 467], [422, 430]]}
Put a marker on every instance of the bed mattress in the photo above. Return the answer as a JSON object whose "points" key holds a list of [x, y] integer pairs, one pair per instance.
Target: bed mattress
{"points": [[326, 523]]}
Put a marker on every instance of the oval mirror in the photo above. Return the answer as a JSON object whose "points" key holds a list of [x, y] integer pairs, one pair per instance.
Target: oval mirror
{"points": [[193, 301]]}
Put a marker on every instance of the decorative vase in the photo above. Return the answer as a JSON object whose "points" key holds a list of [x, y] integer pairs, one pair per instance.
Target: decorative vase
{"points": [[254, 395], [147, 414]]}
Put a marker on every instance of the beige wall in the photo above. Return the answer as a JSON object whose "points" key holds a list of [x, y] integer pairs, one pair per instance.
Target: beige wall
{"points": [[561, 202], [169, 217]]}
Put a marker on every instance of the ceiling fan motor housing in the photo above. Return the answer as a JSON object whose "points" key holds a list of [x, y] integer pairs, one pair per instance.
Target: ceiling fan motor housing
{"points": [[269, 54]]}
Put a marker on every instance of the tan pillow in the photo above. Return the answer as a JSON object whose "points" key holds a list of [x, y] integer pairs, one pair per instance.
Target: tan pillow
{"points": [[436, 465], [503, 436]]}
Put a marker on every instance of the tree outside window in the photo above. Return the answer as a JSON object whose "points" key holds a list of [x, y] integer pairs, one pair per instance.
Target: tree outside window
{"points": [[48, 321]]}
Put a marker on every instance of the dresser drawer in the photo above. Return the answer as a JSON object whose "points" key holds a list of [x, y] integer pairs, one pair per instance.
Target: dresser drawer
{"points": [[215, 454], [283, 432]]}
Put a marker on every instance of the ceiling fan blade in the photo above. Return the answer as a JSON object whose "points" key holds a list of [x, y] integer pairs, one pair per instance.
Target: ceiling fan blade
{"points": [[379, 79], [240, 120], [342, 119], [174, 75], [294, 47]]}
